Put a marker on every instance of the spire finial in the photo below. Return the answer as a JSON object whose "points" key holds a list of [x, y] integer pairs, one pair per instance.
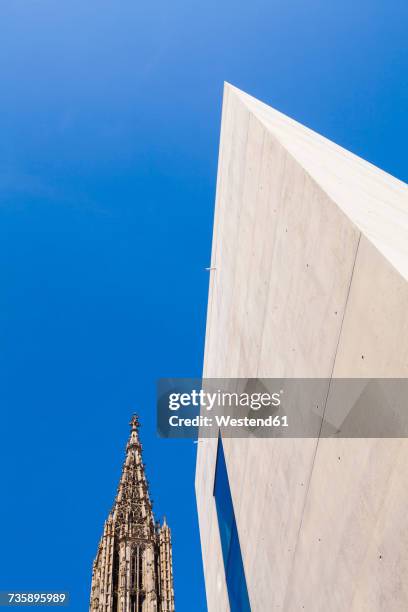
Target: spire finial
{"points": [[134, 423], [134, 433]]}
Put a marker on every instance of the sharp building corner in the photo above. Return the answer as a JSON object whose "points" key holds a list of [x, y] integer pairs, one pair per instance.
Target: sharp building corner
{"points": [[309, 279]]}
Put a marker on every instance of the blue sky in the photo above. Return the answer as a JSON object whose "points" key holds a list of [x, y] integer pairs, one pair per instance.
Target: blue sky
{"points": [[109, 126]]}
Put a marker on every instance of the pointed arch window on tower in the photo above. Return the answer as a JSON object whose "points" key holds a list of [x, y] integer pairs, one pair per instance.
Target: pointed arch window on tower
{"points": [[133, 564]]}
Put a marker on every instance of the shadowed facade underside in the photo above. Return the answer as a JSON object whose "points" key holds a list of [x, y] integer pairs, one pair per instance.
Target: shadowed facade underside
{"points": [[132, 571]]}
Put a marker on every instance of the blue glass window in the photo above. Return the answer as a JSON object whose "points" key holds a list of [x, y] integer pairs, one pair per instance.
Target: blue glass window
{"points": [[231, 550]]}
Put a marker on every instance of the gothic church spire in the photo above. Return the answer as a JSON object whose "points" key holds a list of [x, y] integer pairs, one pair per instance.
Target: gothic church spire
{"points": [[133, 567]]}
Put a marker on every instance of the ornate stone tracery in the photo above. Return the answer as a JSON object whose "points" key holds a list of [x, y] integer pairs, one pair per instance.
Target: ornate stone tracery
{"points": [[132, 571]]}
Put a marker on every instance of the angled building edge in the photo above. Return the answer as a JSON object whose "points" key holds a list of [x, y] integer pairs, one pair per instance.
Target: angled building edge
{"points": [[309, 279]]}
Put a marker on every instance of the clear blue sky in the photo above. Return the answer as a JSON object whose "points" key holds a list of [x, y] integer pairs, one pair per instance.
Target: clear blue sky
{"points": [[109, 125]]}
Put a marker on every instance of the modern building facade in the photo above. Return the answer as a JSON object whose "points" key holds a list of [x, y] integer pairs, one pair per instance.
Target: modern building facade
{"points": [[308, 279], [132, 571]]}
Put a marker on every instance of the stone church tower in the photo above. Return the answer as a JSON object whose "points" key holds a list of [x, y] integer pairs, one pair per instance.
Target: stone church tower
{"points": [[132, 571]]}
